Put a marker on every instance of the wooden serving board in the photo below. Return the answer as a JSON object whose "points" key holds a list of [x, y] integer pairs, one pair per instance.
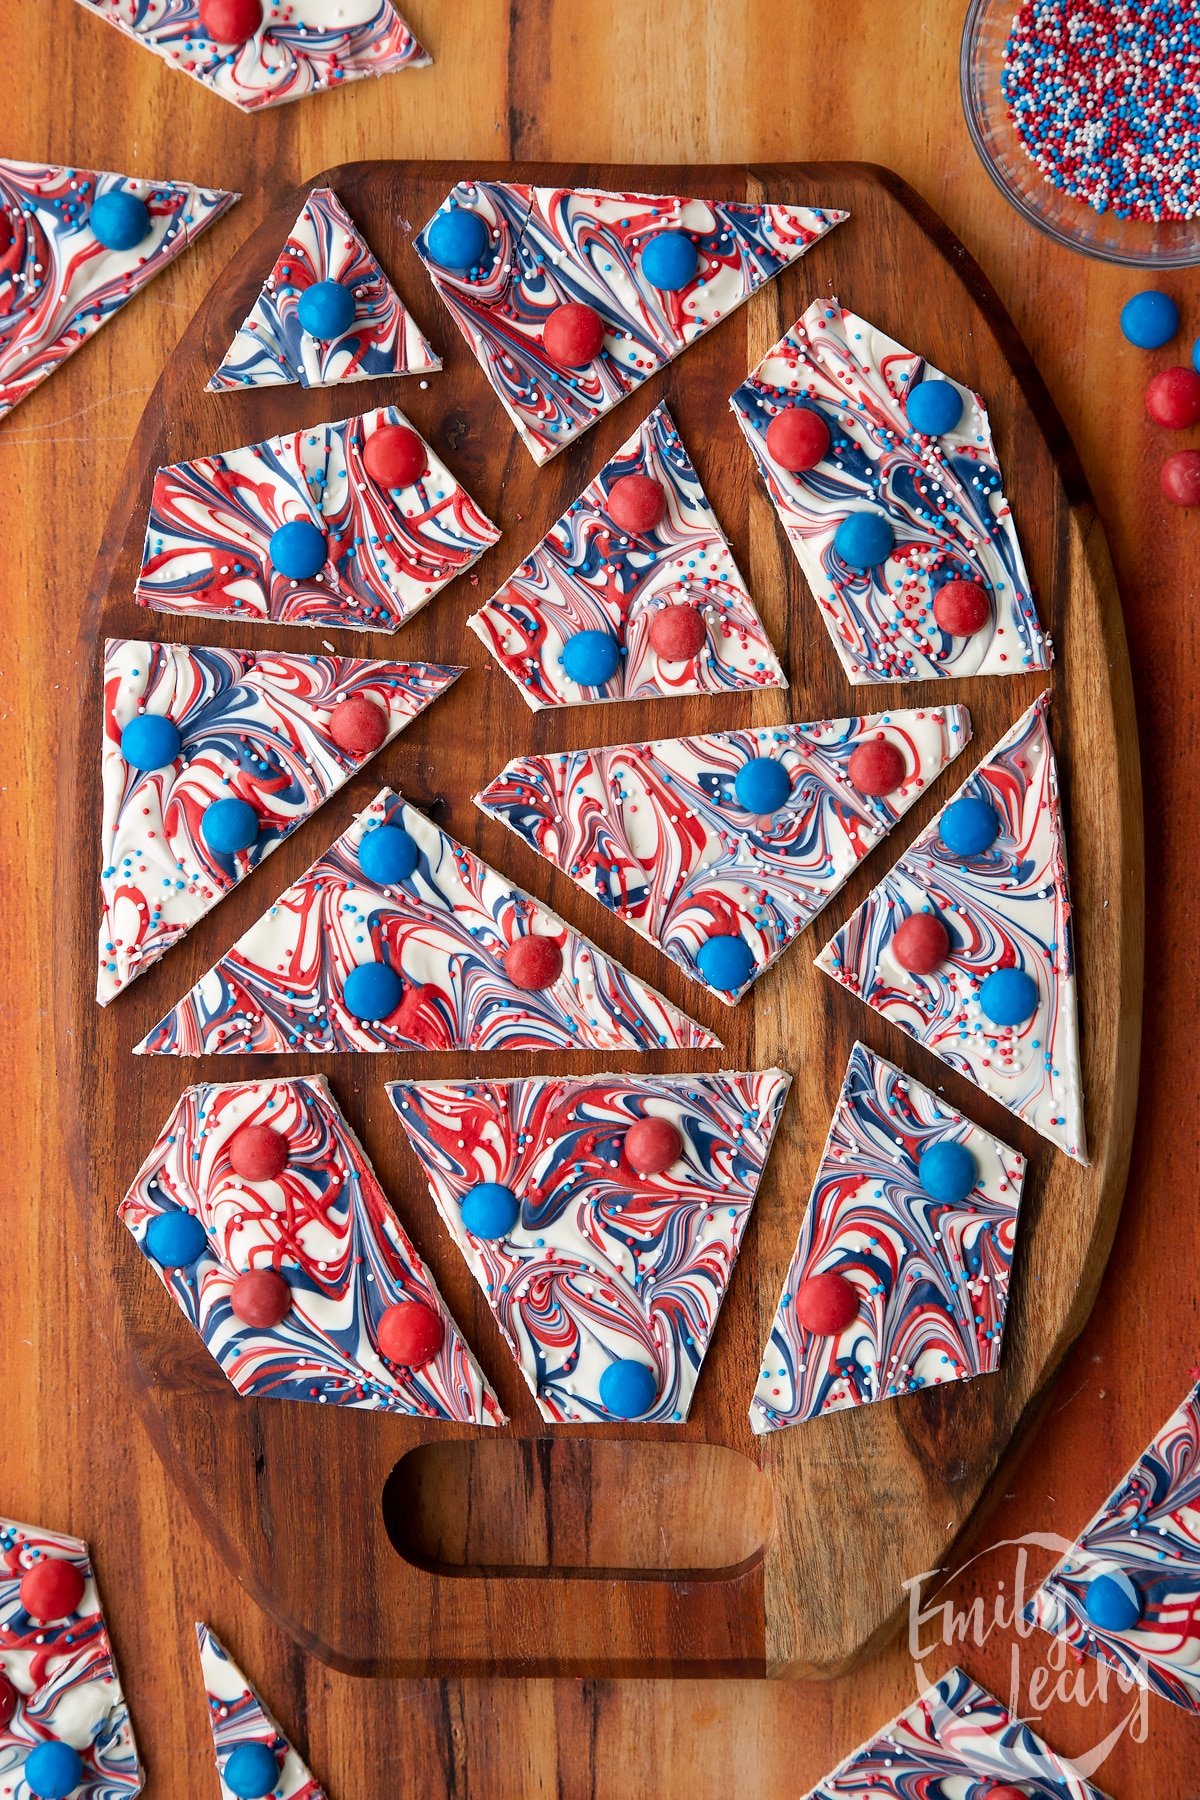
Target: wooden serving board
{"points": [[394, 1547]]}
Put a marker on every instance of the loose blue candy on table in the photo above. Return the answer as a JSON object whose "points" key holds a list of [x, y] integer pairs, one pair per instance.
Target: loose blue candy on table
{"points": [[457, 239], [326, 309], [1150, 319], [628, 1389], [297, 550], [670, 260], [120, 220], [934, 407], [150, 742]]}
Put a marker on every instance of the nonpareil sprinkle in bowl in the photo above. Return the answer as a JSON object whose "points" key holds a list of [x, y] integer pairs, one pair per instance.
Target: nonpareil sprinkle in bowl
{"points": [[1105, 98]]}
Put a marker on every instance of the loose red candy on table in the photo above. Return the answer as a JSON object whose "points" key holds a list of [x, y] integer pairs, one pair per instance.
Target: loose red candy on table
{"points": [[677, 633], [1173, 398], [261, 1297], [51, 1589], [798, 439], [636, 503], [8, 1702], [826, 1304], [961, 608], [258, 1153], [394, 456], [231, 21], [877, 768], [921, 944], [358, 725], [533, 963], [1179, 478], [410, 1335], [573, 335], [652, 1146]]}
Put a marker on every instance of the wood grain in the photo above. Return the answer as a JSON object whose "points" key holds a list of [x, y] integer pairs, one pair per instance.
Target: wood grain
{"points": [[743, 81], [904, 1478]]}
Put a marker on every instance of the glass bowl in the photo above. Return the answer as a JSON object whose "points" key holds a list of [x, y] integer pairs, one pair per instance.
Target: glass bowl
{"points": [[1141, 243]]}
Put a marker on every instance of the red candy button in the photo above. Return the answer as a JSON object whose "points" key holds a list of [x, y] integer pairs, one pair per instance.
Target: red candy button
{"points": [[358, 726], [410, 1335], [8, 1701], [1179, 478], [573, 335], [52, 1589], [636, 503], [258, 1153], [921, 944], [797, 439], [394, 456], [825, 1304], [260, 1297], [678, 633], [1007, 1793], [1173, 398], [231, 21], [877, 768], [961, 608], [533, 963], [652, 1146]]}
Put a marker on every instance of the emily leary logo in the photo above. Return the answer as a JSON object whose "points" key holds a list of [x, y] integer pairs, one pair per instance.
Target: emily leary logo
{"points": [[1042, 1669]]}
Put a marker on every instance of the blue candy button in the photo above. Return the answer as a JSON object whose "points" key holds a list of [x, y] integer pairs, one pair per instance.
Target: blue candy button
{"points": [[933, 407], [388, 855], [119, 220], [251, 1771], [175, 1239], [490, 1210], [1008, 996], [762, 785], [53, 1770], [726, 962], [229, 825], [863, 540], [591, 657], [1150, 319], [1196, 356], [969, 826], [372, 991], [457, 239], [628, 1389], [1112, 1602], [297, 550], [150, 742], [326, 309], [948, 1172], [670, 260]]}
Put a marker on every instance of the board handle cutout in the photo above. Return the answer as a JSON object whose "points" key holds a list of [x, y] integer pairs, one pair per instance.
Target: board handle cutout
{"points": [[556, 1508]]}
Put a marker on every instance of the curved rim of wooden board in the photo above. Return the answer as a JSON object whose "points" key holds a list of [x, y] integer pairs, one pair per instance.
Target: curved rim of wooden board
{"points": [[785, 1647]]}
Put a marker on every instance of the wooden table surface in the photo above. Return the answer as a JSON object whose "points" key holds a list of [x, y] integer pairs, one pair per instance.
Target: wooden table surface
{"points": [[586, 79]]}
